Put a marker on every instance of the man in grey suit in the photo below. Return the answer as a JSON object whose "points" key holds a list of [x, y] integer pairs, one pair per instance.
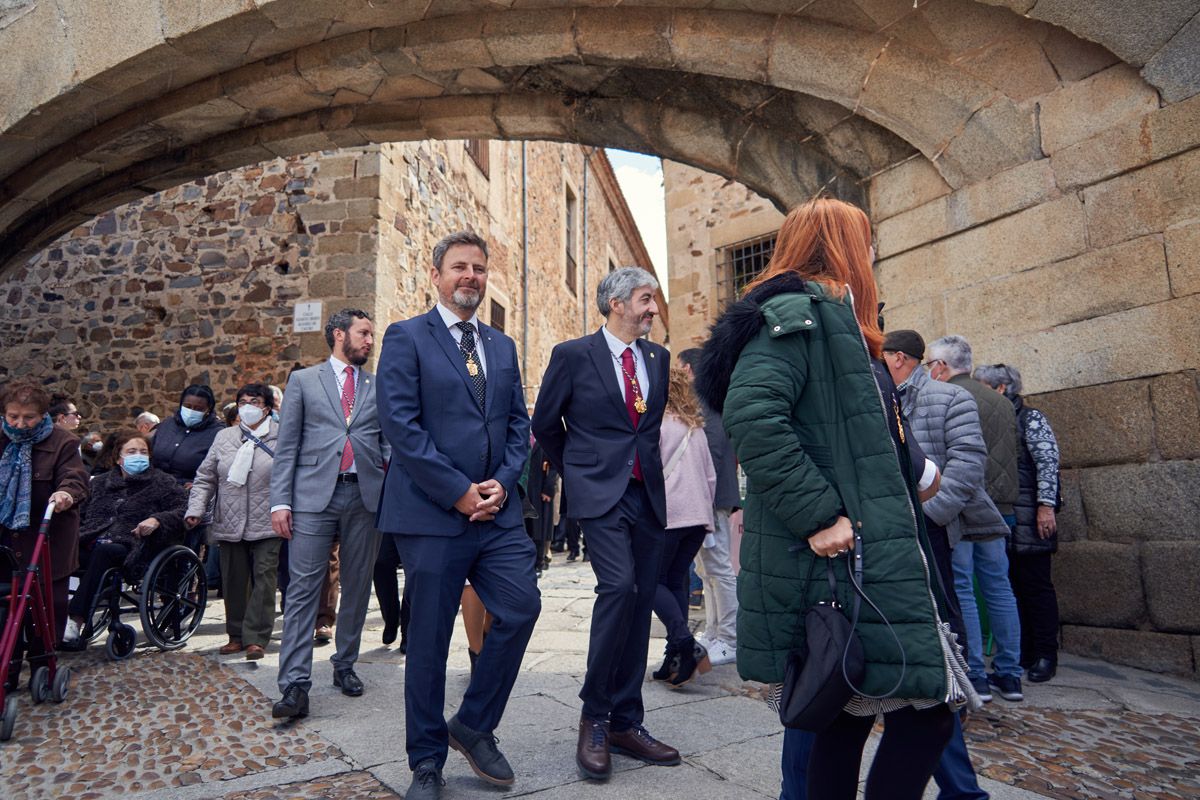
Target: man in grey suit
{"points": [[325, 485]]}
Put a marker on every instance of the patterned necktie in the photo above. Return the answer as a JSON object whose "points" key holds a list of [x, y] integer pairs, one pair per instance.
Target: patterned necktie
{"points": [[474, 368], [347, 409], [628, 369]]}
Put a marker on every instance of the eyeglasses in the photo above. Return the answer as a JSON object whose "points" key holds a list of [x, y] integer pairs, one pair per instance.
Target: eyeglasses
{"points": [[253, 401], [929, 364]]}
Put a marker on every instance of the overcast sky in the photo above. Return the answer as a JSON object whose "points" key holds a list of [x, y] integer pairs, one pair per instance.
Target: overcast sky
{"points": [[641, 180]]}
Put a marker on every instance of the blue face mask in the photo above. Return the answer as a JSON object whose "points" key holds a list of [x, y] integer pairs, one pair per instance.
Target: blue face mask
{"points": [[190, 416], [135, 464]]}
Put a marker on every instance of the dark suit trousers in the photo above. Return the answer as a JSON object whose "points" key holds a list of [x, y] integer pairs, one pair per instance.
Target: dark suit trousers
{"points": [[1037, 605], [395, 612], [499, 563], [626, 547]]}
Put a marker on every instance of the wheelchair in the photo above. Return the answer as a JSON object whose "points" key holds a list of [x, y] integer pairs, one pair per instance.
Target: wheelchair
{"points": [[170, 597]]}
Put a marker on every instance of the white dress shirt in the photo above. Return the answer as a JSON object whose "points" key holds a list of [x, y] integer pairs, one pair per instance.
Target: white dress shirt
{"points": [[451, 319], [617, 347]]}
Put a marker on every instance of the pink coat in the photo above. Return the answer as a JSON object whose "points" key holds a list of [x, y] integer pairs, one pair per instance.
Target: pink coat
{"points": [[692, 484]]}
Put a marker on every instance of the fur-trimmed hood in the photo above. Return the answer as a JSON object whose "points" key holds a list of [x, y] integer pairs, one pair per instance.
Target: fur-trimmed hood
{"points": [[732, 332]]}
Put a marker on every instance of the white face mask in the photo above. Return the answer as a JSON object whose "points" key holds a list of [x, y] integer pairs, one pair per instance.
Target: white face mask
{"points": [[97, 446], [251, 415]]}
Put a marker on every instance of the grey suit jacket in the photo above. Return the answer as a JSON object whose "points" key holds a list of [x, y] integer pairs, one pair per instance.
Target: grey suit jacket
{"points": [[312, 433]]}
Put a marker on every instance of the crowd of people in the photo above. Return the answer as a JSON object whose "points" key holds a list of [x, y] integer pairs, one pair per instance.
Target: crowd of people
{"points": [[346, 477]]}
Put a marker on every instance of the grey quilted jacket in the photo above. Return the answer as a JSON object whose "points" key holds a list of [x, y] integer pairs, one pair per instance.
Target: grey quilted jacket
{"points": [[945, 420], [241, 513]]}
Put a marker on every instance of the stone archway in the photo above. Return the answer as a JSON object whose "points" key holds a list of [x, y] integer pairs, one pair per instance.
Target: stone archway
{"points": [[1031, 167]]}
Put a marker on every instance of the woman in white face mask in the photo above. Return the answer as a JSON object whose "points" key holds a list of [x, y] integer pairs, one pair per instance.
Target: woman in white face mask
{"points": [[237, 470]]}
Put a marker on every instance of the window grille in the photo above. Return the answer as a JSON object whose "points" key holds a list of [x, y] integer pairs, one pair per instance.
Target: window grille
{"points": [[497, 316], [572, 213], [739, 263], [477, 149]]}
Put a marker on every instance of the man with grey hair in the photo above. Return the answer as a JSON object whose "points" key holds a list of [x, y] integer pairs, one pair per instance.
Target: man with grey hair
{"points": [[146, 423], [452, 405], [983, 555], [598, 418]]}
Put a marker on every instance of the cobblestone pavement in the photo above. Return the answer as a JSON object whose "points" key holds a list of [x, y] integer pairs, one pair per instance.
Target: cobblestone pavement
{"points": [[193, 724]]}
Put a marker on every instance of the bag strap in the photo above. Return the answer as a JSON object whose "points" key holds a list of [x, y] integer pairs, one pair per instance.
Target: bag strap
{"points": [[854, 569], [259, 443], [677, 456]]}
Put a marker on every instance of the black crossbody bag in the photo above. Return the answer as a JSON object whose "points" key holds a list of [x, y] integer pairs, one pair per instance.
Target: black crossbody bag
{"points": [[820, 678]]}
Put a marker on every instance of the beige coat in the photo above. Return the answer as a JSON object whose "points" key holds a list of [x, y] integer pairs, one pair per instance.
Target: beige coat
{"points": [[241, 513]]}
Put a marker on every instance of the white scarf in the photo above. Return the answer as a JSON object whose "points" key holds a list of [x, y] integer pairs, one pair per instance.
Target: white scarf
{"points": [[239, 471]]}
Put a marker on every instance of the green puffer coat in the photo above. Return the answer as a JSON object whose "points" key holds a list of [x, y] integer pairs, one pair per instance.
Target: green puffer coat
{"points": [[807, 421]]}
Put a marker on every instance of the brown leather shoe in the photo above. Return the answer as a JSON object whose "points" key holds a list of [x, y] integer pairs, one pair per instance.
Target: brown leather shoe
{"points": [[592, 754], [322, 634], [234, 646], [254, 652], [638, 743]]}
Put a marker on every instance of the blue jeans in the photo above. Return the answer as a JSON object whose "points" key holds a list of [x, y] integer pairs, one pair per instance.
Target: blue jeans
{"points": [[797, 745], [954, 775], [988, 562]]}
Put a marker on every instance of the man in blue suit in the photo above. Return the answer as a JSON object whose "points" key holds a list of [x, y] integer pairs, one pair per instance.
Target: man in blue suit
{"points": [[598, 417], [451, 404]]}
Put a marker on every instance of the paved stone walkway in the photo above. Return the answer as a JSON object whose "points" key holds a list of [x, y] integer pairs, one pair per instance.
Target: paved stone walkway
{"points": [[193, 724]]}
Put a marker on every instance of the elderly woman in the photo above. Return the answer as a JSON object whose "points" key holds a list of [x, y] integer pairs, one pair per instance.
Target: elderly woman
{"points": [[39, 464], [1035, 536], [830, 481], [134, 512], [237, 471]]}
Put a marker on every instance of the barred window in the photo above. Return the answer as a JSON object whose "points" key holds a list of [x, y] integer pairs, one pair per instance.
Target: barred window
{"points": [[572, 214], [739, 263], [497, 316], [477, 149]]}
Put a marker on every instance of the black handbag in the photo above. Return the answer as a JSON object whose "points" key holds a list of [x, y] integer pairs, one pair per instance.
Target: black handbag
{"points": [[818, 678]]}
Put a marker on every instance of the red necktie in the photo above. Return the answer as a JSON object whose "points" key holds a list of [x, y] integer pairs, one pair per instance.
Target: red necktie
{"points": [[347, 407], [628, 369]]}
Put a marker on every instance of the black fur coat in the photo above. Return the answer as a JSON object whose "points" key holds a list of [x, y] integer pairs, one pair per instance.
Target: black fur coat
{"points": [[119, 502]]}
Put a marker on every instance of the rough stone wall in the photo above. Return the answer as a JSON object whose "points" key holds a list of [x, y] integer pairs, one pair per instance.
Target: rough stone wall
{"points": [[193, 284], [705, 212], [199, 283], [1082, 268]]}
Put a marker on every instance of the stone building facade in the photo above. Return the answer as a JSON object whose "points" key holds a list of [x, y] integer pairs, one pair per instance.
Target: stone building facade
{"points": [[199, 283]]}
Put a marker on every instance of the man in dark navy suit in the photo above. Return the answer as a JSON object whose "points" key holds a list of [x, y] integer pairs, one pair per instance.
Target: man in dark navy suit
{"points": [[451, 404], [598, 417]]}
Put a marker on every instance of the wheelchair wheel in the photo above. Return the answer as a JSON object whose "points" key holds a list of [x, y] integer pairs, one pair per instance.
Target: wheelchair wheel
{"points": [[39, 685], [62, 685], [9, 720], [101, 611], [174, 594], [121, 640]]}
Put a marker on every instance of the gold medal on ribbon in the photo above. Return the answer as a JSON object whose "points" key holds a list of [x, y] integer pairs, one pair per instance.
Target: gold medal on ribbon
{"points": [[472, 367], [639, 405]]}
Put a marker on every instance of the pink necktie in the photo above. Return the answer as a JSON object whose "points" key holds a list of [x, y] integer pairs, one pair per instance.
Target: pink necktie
{"points": [[347, 408]]}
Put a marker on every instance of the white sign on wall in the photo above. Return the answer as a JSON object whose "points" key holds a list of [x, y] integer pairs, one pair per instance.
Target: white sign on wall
{"points": [[307, 317]]}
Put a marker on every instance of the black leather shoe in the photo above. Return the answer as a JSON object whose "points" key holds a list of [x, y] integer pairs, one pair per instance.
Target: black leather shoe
{"points": [[1042, 670], [427, 782], [403, 644], [389, 632], [482, 754], [348, 682], [293, 704]]}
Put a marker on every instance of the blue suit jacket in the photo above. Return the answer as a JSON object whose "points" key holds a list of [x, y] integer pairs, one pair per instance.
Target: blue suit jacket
{"points": [[441, 441], [583, 425]]}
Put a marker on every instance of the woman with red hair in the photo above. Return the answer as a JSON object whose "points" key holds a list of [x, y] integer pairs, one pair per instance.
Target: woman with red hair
{"points": [[830, 482]]}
